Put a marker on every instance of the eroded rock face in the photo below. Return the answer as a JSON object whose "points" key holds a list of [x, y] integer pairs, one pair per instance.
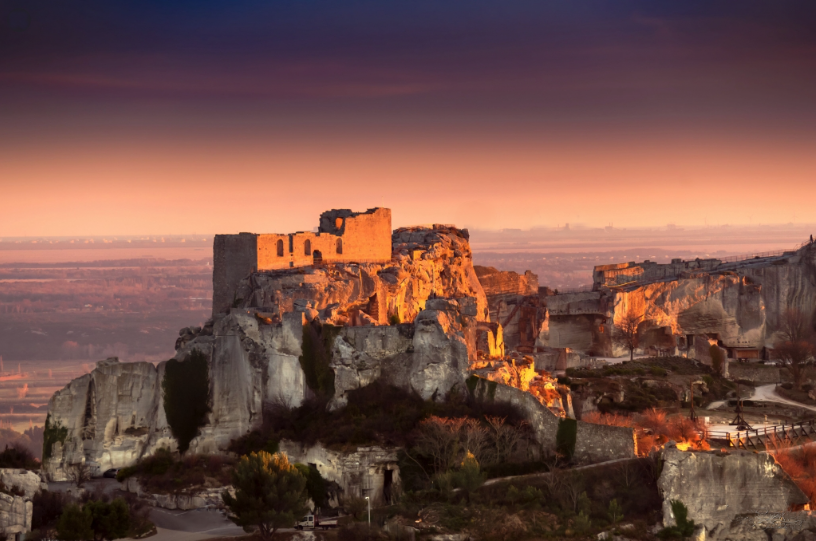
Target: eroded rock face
{"points": [[514, 303], [719, 488], [740, 303], [27, 481], [115, 415], [15, 515]]}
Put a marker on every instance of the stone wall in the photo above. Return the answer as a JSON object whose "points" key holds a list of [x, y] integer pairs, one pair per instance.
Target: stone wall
{"points": [[599, 443], [344, 236], [234, 258], [15, 515], [759, 374], [594, 443], [514, 304]]}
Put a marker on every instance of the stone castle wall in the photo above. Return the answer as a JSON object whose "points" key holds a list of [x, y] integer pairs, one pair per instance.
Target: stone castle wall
{"points": [[343, 236]]}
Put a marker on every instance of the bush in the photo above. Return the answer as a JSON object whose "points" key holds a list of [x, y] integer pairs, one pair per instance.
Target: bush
{"points": [[186, 387], [683, 527], [394, 319], [47, 509], [163, 473], [565, 437], [717, 359], [315, 484], [18, 456], [53, 432]]}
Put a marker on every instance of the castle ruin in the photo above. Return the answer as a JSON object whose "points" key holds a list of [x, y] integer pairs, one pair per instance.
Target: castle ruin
{"points": [[343, 236]]}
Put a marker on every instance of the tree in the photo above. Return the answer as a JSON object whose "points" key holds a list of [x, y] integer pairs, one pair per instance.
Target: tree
{"points": [[469, 476], [108, 520], [625, 333], [79, 473], [74, 524], [795, 346], [270, 493]]}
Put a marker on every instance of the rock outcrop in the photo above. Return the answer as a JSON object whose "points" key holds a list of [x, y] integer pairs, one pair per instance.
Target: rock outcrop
{"points": [[735, 495], [740, 304], [16, 510], [514, 303]]}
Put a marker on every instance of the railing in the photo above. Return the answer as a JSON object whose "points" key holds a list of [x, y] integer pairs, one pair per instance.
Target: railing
{"points": [[775, 253], [759, 436]]}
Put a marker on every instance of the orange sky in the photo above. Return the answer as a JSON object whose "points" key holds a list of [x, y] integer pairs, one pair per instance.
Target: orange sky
{"points": [[161, 118], [486, 181]]}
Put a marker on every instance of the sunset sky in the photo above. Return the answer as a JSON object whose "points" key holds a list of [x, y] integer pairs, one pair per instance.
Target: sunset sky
{"points": [[159, 117]]}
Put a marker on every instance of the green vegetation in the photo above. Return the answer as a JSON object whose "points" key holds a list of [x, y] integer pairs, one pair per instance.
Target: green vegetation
{"points": [[683, 528], [315, 484], [186, 387], [394, 319], [95, 520], [316, 357], [561, 505], [376, 414], [163, 473], [565, 437], [52, 433], [270, 493], [18, 456], [654, 366]]}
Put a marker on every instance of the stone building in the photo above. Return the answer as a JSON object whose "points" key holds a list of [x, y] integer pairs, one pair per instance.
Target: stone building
{"points": [[342, 236]]}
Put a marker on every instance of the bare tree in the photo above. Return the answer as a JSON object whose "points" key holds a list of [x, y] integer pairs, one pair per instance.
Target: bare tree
{"points": [[796, 344], [474, 439], [438, 438], [79, 473], [504, 439], [625, 333]]}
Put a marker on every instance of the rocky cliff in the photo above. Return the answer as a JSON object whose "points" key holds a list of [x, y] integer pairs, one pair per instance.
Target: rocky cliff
{"points": [[513, 302], [738, 303], [734, 495], [256, 356]]}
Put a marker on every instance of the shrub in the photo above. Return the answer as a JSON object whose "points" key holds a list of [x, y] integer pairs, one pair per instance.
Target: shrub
{"points": [[18, 456], [47, 509], [163, 473], [74, 525], [566, 436], [394, 319], [186, 387], [315, 484], [53, 432], [683, 527], [360, 532]]}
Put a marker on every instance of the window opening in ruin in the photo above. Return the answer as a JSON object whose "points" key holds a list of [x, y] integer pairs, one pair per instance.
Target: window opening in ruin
{"points": [[339, 246], [307, 247], [388, 480], [318, 257], [280, 247], [338, 223], [89, 416]]}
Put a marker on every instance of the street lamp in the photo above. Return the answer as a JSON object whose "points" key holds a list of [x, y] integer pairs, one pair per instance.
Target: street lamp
{"points": [[369, 510]]}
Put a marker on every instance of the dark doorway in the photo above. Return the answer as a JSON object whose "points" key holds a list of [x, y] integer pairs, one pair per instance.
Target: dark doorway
{"points": [[307, 247], [318, 257], [388, 480]]}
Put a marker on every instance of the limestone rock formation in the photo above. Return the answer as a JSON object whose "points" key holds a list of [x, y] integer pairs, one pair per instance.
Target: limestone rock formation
{"points": [[27, 481], [514, 303], [15, 515], [721, 490], [739, 303]]}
